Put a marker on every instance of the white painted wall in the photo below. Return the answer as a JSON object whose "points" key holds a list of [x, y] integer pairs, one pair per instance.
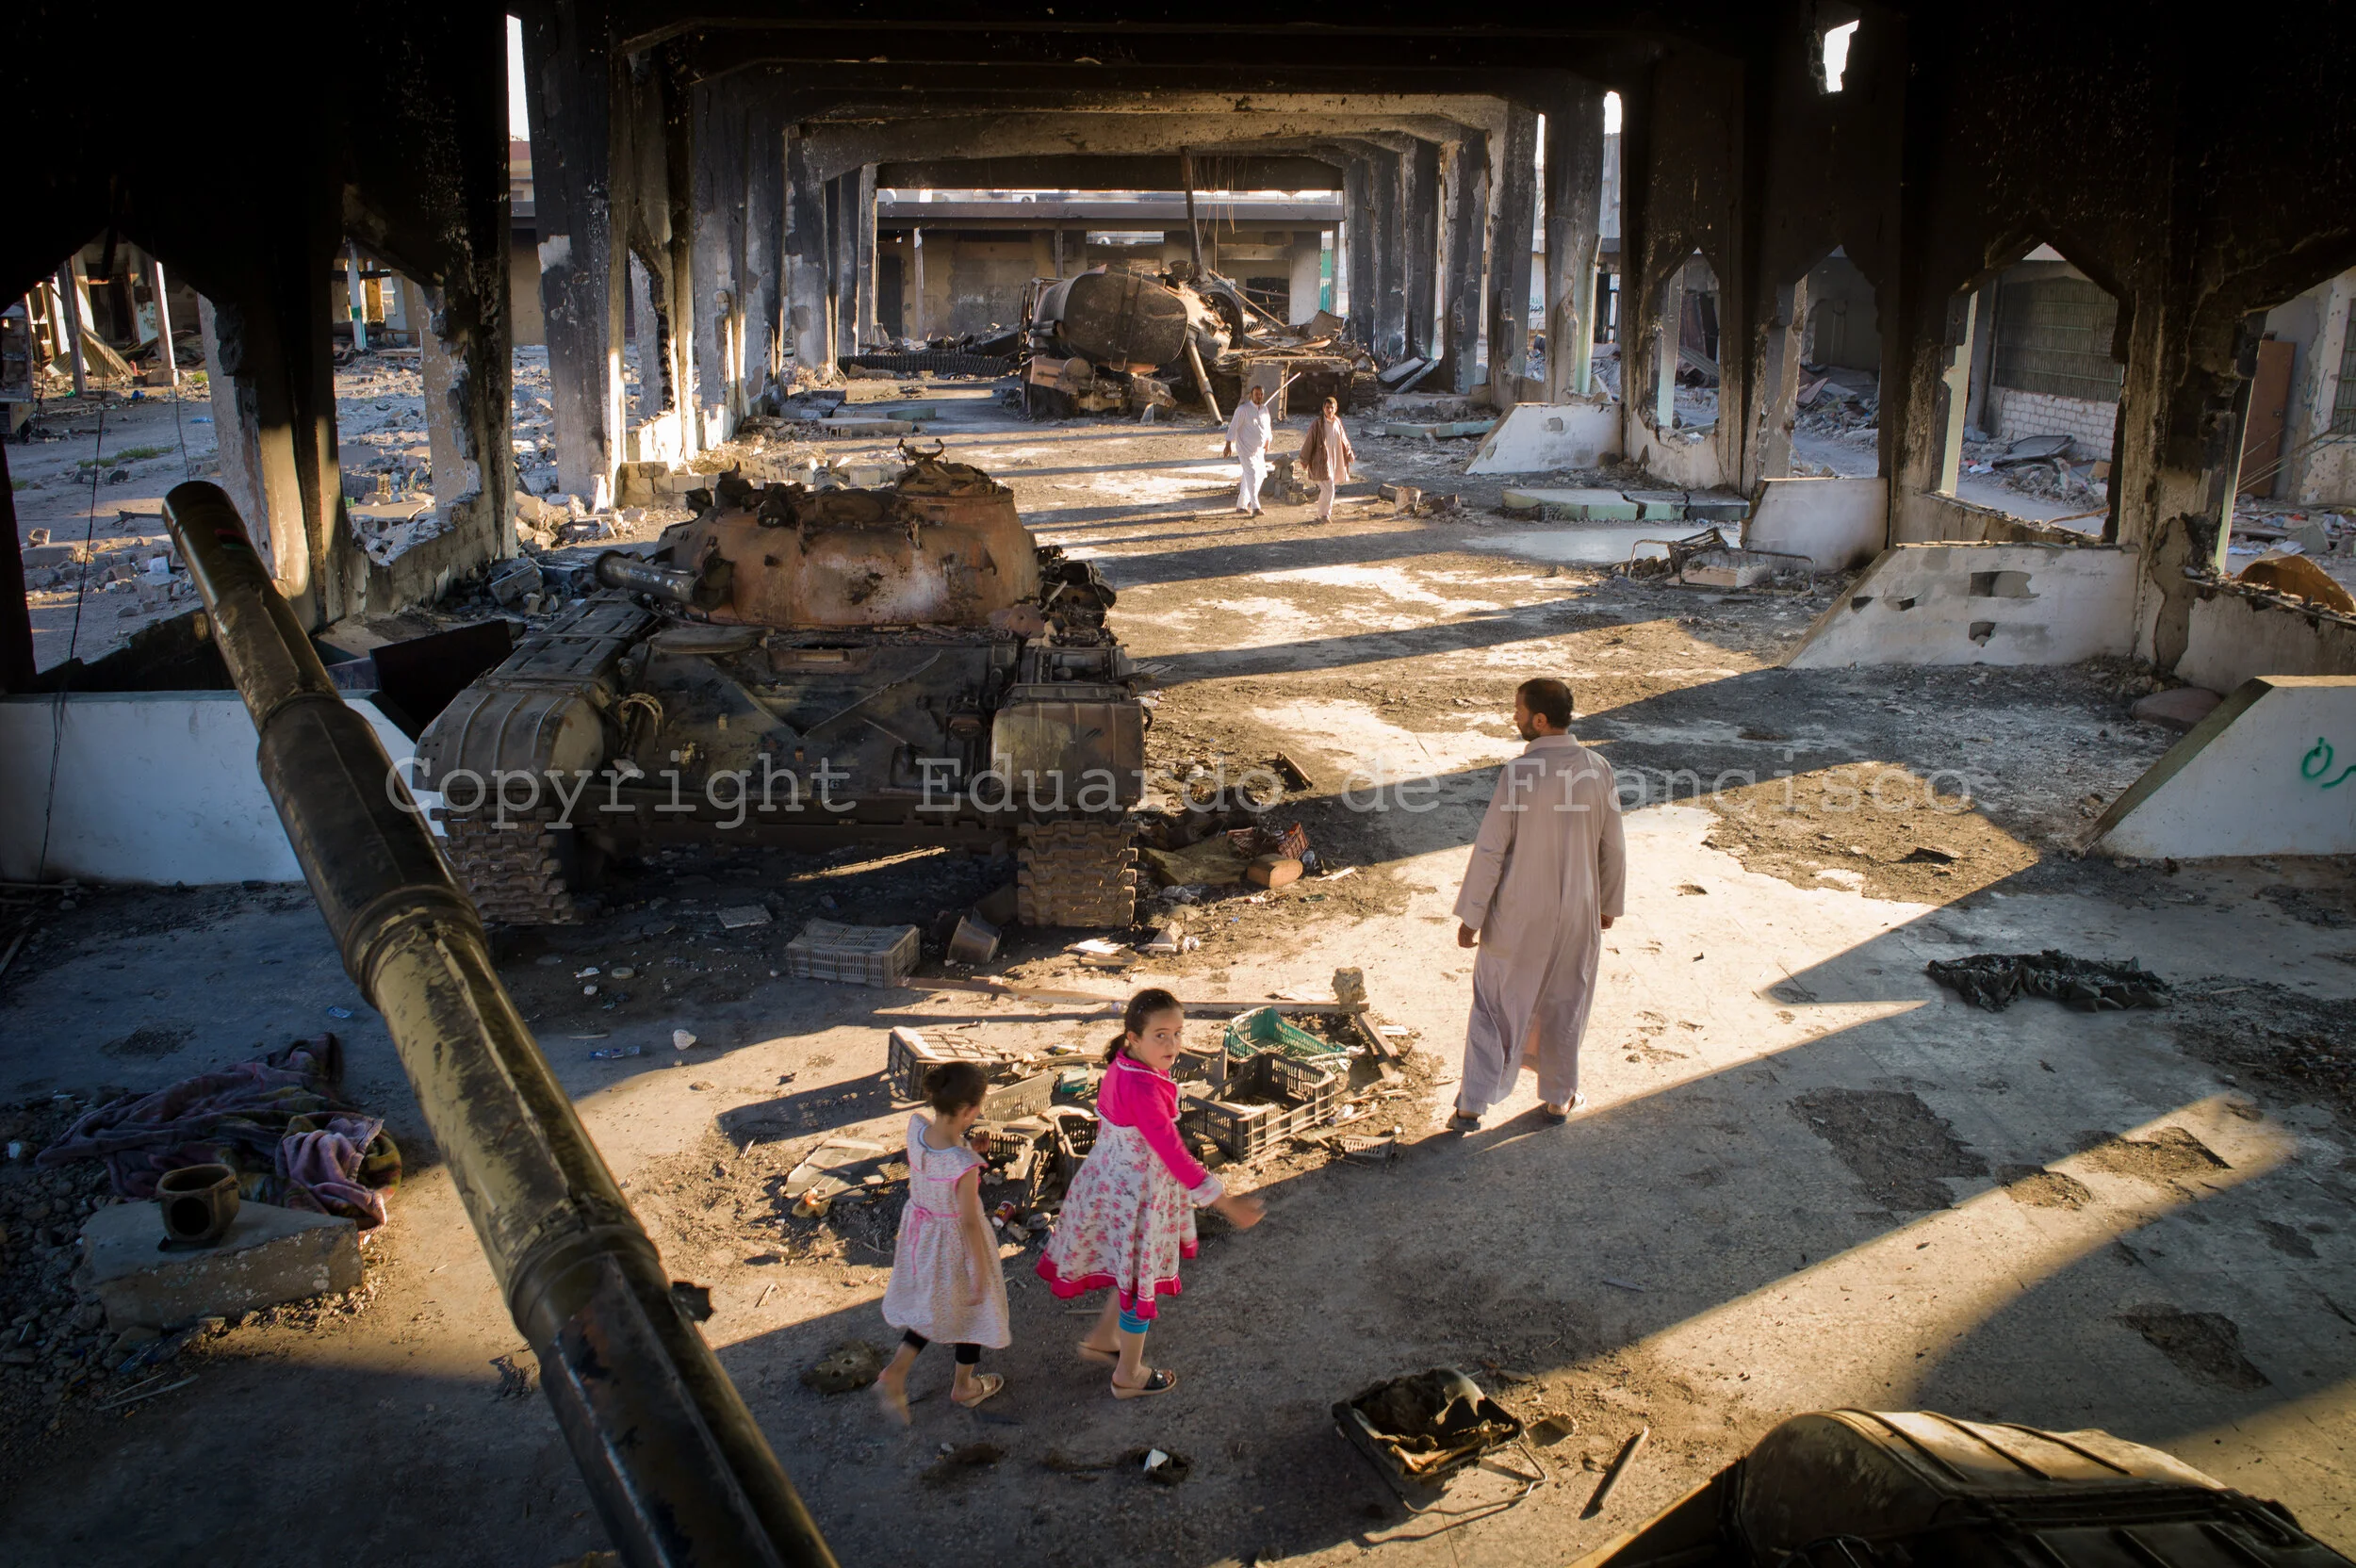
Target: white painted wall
{"points": [[2231, 638], [1537, 438], [155, 787], [2272, 771], [1837, 523], [1922, 604]]}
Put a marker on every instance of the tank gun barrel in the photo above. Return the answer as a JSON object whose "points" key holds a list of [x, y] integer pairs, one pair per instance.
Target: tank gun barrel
{"points": [[678, 1470]]}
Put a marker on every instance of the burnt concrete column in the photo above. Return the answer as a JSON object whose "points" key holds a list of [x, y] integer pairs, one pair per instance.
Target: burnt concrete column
{"points": [[843, 259], [1390, 269], [1358, 234], [1467, 179], [1777, 397], [863, 328], [1512, 219], [668, 123], [1574, 229], [569, 95], [272, 367], [721, 190], [1419, 201], [807, 251], [764, 300]]}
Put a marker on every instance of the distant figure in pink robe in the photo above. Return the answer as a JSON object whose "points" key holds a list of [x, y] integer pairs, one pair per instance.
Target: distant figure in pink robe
{"points": [[1546, 881]]}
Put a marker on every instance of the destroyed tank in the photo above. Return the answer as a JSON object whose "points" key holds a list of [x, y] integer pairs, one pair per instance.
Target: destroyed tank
{"points": [[904, 665]]}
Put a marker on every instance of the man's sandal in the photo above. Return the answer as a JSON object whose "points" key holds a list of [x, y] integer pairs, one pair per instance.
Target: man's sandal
{"points": [[990, 1383], [1157, 1382]]}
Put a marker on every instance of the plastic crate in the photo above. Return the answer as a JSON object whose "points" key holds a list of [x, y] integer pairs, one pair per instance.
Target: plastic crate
{"points": [[855, 954], [1300, 1095], [911, 1056], [1263, 1029]]}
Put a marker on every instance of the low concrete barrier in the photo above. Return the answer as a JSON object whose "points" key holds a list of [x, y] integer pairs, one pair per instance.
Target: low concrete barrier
{"points": [[155, 787], [1979, 604], [1837, 523], [2270, 771], [1537, 438]]}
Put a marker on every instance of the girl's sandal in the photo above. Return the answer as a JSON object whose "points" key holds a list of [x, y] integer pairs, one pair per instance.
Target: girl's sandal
{"points": [[1157, 1382], [1091, 1352], [990, 1383]]}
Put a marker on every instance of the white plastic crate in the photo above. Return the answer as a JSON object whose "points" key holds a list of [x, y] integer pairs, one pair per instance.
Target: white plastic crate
{"points": [[854, 954]]}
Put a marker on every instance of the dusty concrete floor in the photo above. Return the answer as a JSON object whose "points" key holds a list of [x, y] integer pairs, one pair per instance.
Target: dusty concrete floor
{"points": [[1809, 1177]]}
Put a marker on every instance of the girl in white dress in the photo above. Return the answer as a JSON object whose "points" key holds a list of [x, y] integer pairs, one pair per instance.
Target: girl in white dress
{"points": [[945, 1283]]}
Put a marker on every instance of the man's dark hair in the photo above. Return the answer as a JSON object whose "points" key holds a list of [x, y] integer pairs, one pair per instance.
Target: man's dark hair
{"points": [[1547, 699]]}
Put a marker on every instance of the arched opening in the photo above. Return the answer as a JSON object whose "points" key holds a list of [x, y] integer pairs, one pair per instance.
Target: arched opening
{"points": [[1683, 353], [2033, 386], [103, 402], [1836, 414]]}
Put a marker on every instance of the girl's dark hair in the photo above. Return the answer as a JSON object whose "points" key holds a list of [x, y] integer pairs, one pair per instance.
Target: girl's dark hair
{"points": [[952, 1086], [1142, 1006]]}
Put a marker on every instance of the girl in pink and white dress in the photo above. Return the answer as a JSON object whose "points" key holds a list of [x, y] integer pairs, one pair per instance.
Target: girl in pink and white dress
{"points": [[1129, 1217], [945, 1281]]}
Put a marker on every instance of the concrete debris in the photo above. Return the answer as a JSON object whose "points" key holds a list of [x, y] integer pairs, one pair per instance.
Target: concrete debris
{"points": [[1993, 980], [267, 1256], [2178, 708]]}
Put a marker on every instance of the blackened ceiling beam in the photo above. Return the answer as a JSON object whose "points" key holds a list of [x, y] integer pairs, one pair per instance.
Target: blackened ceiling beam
{"points": [[1146, 172]]}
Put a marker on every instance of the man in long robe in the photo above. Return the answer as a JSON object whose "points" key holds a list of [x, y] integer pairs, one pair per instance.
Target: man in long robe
{"points": [[1326, 456], [1248, 435], [1546, 879]]}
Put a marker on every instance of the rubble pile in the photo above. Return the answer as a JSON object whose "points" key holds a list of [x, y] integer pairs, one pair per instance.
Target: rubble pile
{"points": [[142, 578]]}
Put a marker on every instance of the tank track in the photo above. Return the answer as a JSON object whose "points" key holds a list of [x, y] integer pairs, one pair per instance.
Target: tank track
{"points": [[514, 873], [1081, 873]]}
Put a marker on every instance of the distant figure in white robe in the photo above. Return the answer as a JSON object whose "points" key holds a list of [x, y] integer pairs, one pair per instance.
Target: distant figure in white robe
{"points": [[1546, 881], [1247, 436]]}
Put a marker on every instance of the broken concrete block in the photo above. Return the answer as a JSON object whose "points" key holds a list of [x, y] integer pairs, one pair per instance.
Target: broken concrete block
{"points": [[270, 1255], [1716, 506], [510, 582], [847, 426], [1582, 503], [1727, 569], [1658, 505], [2178, 708], [51, 555]]}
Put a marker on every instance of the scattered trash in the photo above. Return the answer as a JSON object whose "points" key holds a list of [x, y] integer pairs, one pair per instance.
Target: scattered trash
{"points": [[1419, 1431], [589, 973], [1156, 1465], [681, 1039], [960, 1461], [1295, 776], [1099, 953], [1994, 980], [339, 1012], [615, 1054], [975, 942], [1612, 1477], [856, 954], [736, 917], [1337, 875], [850, 1365], [621, 971]]}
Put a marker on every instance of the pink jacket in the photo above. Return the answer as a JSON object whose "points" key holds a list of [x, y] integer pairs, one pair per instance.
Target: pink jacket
{"points": [[1134, 1095]]}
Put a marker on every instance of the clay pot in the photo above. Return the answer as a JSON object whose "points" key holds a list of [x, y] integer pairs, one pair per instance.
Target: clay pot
{"points": [[198, 1201]]}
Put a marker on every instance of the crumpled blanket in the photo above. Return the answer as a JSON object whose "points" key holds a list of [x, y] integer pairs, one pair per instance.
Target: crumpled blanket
{"points": [[279, 1121], [1993, 980]]}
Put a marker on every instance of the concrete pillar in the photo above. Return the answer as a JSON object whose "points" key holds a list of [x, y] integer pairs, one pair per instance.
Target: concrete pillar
{"points": [[166, 358], [764, 245], [16, 613], [1308, 275], [1574, 229], [807, 254], [721, 205], [1467, 177], [1668, 326], [841, 262], [1955, 385], [918, 323], [568, 93], [1512, 218], [1390, 265], [1419, 198], [863, 328], [1778, 399], [1358, 234]]}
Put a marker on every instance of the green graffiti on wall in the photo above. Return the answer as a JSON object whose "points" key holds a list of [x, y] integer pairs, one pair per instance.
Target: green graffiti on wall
{"points": [[2317, 762]]}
